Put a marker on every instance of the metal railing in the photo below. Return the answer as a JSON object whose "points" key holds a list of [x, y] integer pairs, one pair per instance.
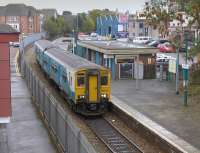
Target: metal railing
{"points": [[65, 133]]}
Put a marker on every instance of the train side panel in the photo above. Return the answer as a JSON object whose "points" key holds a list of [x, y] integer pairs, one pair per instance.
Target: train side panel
{"points": [[66, 84]]}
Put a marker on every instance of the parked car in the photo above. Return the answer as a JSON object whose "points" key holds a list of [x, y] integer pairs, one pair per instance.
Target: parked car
{"points": [[141, 40], [155, 43], [167, 48], [149, 41], [93, 34], [14, 44]]}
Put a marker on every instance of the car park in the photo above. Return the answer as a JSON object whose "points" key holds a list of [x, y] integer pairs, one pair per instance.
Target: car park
{"points": [[167, 48], [141, 40], [155, 43], [14, 44]]}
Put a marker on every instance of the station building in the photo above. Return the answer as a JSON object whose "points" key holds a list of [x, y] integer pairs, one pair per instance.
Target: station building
{"points": [[121, 58]]}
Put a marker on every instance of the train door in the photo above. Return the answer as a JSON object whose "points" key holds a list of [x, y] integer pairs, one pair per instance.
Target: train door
{"points": [[93, 88]]}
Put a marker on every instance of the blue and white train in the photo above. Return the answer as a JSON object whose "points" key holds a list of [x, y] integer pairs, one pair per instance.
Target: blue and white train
{"points": [[85, 84]]}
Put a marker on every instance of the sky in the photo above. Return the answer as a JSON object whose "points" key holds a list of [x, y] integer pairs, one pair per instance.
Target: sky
{"points": [[77, 6]]}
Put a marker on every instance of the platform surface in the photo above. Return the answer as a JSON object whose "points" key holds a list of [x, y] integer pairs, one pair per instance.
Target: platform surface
{"points": [[156, 100], [26, 132]]}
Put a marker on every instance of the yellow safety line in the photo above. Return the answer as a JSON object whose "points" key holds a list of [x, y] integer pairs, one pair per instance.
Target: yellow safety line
{"points": [[16, 64]]}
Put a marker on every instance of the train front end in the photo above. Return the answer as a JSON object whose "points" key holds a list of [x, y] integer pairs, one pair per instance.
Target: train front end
{"points": [[92, 91]]}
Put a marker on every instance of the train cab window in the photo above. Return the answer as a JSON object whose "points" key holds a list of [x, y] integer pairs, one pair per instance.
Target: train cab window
{"points": [[104, 80], [64, 78], [80, 81]]}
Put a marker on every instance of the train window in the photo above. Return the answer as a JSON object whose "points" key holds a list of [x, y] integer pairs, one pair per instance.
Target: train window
{"points": [[54, 67], [45, 62], [64, 78], [104, 80], [80, 81]]}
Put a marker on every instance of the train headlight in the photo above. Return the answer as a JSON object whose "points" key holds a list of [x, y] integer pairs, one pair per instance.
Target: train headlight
{"points": [[103, 95], [81, 97]]}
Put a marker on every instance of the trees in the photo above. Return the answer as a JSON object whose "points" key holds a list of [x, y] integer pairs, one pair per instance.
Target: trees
{"points": [[93, 14], [158, 17], [50, 26], [85, 23], [56, 27], [192, 8]]}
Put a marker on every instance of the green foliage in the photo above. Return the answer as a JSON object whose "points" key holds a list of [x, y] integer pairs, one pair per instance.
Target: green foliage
{"points": [[87, 22], [56, 27], [93, 14], [88, 25], [158, 17], [192, 8]]}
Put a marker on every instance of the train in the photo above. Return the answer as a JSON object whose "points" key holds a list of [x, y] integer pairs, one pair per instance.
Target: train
{"points": [[85, 85]]}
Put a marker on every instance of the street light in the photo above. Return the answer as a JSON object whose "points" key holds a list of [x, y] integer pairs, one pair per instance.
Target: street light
{"points": [[178, 37], [186, 74]]}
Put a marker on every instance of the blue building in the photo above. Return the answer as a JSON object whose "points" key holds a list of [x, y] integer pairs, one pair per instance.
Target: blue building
{"points": [[112, 25]]}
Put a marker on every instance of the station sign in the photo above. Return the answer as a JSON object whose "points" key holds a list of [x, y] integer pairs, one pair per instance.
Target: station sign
{"points": [[185, 66], [172, 66], [123, 18], [185, 72]]}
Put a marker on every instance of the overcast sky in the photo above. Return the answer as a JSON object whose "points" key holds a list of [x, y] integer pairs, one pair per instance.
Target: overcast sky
{"points": [[82, 5]]}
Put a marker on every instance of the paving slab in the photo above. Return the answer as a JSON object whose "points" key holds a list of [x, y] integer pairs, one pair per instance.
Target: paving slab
{"points": [[26, 132], [157, 100]]}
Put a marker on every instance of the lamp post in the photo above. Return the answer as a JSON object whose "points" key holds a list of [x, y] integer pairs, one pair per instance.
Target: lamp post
{"points": [[177, 71], [186, 75]]}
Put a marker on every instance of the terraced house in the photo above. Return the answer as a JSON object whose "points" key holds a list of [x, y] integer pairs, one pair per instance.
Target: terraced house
{"points": [[25, 19]]}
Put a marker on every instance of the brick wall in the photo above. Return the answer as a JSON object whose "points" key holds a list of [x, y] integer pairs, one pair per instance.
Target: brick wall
{"points": [[2, 19], [24, 24]]}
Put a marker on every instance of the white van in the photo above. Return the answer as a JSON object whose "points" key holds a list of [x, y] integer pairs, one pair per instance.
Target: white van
{"points": [[141, 40]]}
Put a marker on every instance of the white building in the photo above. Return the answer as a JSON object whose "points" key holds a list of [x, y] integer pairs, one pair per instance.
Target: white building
{"points": [[137, 26]]}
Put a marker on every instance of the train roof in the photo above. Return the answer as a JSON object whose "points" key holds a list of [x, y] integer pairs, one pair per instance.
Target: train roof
{"points": [[67, 58], [44, 44]]}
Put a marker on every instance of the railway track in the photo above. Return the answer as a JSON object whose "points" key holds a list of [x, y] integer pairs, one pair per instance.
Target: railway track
{"points": [[112, 138]]}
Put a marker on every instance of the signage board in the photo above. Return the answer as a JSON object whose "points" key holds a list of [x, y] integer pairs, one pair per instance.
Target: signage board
{"points": [[172, 66]]}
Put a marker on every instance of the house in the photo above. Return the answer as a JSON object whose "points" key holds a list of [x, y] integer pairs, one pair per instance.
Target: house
{"points": [[47, 13], [137, 27], [24, 19]]}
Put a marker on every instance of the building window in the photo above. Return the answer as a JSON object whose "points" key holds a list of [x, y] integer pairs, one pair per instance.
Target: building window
{"points": [[30, 19], [104, 80], [80, 81], [30, 26], [12, 19], [133, 24], [141, 25]]}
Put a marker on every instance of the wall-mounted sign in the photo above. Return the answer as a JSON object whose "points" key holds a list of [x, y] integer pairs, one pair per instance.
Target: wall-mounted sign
{"points": [[172, 66], [123, 18]]}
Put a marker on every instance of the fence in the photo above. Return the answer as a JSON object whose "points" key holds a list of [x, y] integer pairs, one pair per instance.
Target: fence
{"points": [[64, 131], [26, 42]]}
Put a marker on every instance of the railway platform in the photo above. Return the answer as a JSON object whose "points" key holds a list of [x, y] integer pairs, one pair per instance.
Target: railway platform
{"points": [[25, 133], [155, 105]]}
